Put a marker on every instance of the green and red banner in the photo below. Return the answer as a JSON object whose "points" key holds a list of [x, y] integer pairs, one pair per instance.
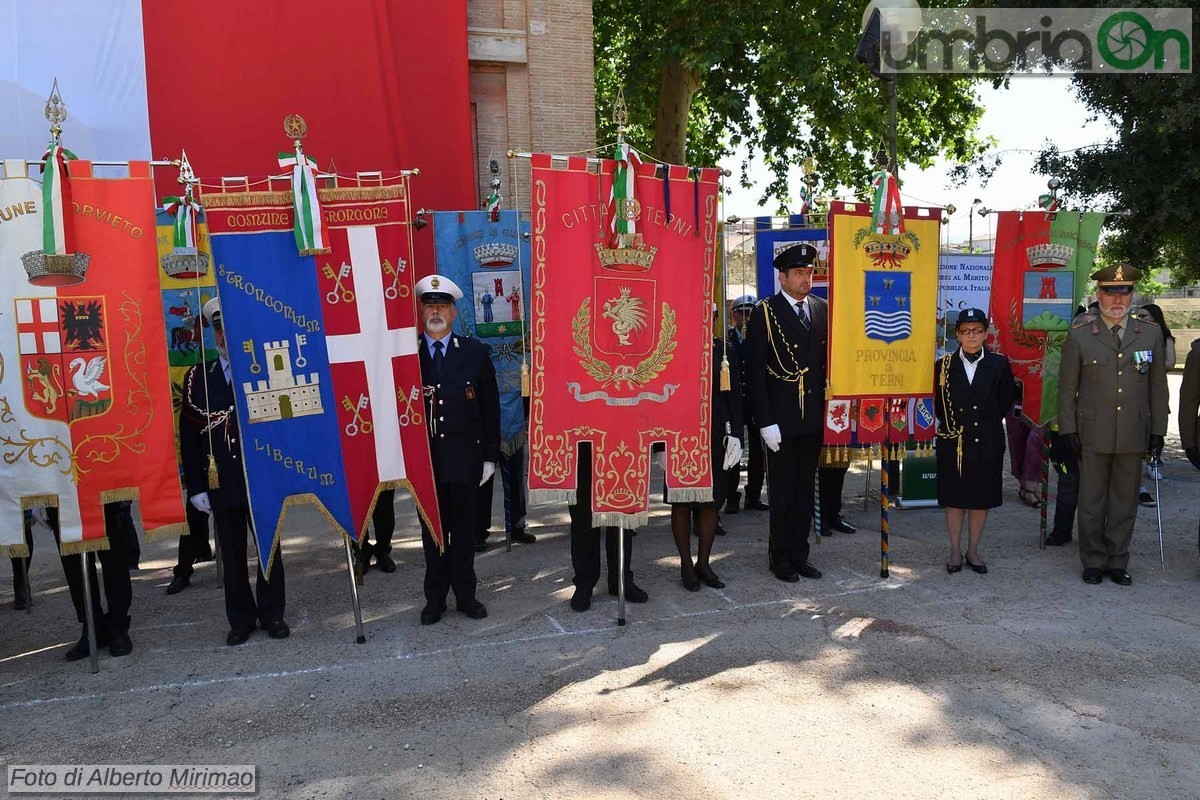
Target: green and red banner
{"points": [[1041, 267], [622, 331]]}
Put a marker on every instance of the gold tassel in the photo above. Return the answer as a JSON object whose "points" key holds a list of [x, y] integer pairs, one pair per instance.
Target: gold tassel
{"points": [[725, 382], [213, 481], [960, 455], [524, 379]]}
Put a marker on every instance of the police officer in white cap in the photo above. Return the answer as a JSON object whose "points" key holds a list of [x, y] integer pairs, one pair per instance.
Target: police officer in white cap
{"points": [[208, 427], [462, 404]]}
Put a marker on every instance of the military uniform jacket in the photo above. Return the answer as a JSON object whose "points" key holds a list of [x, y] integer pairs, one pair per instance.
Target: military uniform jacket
{"points": [[737, 344], [205, 418], [1189, 398], [726, 406], [1113, 397], [777, 348], [462, 410], [977, 408]]}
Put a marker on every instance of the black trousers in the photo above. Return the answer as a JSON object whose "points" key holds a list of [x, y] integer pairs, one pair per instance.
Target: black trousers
{"points": [[585, 540], [455, 568], [1066, 499], [115, 561], [511, 470], [383, 520], [833, 480], [233, 526], [194, 542], [755, 462], [793, 480]]}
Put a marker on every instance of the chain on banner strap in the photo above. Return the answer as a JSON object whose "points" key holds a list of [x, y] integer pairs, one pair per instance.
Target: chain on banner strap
{"points": [[312, 237]]}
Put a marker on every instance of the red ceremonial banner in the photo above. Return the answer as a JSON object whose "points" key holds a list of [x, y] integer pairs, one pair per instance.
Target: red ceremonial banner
{"points": [[622, 336]]}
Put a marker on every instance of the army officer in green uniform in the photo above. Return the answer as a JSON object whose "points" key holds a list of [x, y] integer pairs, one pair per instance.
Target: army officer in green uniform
{"points": [[1112, 408]]}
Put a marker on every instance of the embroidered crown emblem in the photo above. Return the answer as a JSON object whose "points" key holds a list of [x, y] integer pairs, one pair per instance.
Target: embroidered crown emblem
{"points": [[182, 264], [1049, 255], [46, 269], [633, 254], [496, 254]]}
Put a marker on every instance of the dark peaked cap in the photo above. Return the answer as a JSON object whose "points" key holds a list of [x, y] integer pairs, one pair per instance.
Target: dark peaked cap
{"points": [[798, 255]]}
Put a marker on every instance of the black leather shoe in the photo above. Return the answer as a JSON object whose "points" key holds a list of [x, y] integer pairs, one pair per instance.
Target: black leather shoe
{"points": [[807, 570], [721, 529], [385, 563], [841, 526], [633, 592], [756, 505], [732, 504], [522, 536], [238, 636], [1093, 575], [431, 614], [277, 629], [582, 599], [204, 555], [178, 584], [475, 610], [689, 578], [981, 567], [954, 568], [786, 573], [706, 574], [80, 649], [119, 644], [1120, 577], [1058, 538]]}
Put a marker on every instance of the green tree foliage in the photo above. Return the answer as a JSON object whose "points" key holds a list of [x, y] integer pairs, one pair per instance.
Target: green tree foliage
{"points": [[702, 77]]}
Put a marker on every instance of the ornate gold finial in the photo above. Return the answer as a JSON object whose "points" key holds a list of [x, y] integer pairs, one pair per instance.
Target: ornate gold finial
{"points": [[295, 128], [810, 166], [56, 111], [186, 176], [620, 115]]}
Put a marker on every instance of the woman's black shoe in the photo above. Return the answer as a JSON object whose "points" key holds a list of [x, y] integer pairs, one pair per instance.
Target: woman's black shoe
{"points": [[709, 577], [981, 567], [688, 576], [953, 568]]}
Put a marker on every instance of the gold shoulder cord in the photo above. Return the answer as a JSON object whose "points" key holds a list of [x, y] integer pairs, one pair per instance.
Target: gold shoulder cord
{"points": [[796, 373], [953, 429]]}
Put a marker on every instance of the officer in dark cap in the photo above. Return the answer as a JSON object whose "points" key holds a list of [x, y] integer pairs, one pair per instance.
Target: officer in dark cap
{"points": [[462, 404], [785, 362], [1112, 408], [739, 313]]}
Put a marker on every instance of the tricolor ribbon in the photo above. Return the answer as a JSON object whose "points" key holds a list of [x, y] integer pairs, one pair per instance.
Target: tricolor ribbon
{"points": [[805, 199], [186, 212], [493, 205], [624, 178], [56, 199], [312, 237], [887, 215], [1048, 202]]}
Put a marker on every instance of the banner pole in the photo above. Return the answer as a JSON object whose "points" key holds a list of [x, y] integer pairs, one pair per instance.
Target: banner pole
{"points": [[620, 576], [1045, 488], [359, 638], [817, 502], [867, 486], [883, 516], [89, 612]]}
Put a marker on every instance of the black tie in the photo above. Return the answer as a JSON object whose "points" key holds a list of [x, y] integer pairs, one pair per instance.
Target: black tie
{"points": [[803, 312], [972, 357], [1116, 329], [439, 358]]}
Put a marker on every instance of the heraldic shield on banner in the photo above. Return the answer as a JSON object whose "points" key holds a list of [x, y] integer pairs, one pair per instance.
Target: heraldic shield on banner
{"points": [[323, 350], [85, 403], [639, 321]]}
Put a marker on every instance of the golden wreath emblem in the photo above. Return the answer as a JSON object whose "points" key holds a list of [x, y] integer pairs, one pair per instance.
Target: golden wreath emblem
{"points": [[626, 375]]}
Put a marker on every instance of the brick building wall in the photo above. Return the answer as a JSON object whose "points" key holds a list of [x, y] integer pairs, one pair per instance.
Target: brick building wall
{"points": [[532, 85]]}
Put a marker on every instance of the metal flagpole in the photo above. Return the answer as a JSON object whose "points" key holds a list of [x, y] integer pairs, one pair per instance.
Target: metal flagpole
{"points": [[89, 612], [817, 503], [867, 486], [359, 638], [883, 516], [1045, 489], [621, 576], [1162, 557]]}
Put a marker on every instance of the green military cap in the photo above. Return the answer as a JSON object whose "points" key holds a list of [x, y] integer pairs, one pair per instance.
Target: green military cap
{"points": [[1117, 278]]}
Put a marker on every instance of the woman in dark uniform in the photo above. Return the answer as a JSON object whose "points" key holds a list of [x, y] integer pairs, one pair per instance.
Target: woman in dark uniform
{"points": [[726, 447], [973, 390]]}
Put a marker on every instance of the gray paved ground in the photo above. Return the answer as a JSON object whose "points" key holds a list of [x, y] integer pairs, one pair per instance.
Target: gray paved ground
{"points": [[1024, 683]]}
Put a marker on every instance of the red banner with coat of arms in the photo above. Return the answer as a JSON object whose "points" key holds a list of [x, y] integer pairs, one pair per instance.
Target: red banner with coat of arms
{"points": [[623, 263], [85, 402]]}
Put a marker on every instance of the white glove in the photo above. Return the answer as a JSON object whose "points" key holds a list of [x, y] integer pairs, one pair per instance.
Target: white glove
{"points": [[771, 437], [733, 452], [489, 469], [200, 502]]}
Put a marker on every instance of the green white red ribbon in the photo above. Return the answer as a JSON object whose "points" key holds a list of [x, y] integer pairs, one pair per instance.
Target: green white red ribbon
{"points": [[1048, 202], [493, 205], [312, 237], [805, 199], [624, 180], [56, 201], [186, 212], [887, 215]]}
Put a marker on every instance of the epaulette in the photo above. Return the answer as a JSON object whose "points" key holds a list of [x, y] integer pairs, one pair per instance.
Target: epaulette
{"points": [[1147, 322], [1084, 319]]}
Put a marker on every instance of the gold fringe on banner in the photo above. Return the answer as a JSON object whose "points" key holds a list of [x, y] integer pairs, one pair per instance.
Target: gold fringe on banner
{"points": [[350, 194], [173, 531], [630, 522], [85, 546], [362, 194], [689, 495], [32, 501], [214, 481], [510, 447], [14, 551], [546, 496], [119, 495]]}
